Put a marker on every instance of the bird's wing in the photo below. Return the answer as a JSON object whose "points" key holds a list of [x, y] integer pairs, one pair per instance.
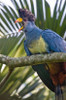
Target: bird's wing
{"points": [[55, 42], [44, 75], [41, 71]]}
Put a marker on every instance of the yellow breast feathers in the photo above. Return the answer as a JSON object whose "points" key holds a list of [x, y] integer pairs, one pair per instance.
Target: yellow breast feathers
{"points": [[38, 46]]}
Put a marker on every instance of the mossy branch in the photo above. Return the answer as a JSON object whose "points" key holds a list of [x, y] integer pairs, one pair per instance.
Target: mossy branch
{"points": [[33, 59], [29, 60]]}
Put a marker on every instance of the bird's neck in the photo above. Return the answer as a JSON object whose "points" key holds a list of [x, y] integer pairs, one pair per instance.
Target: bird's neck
{"points": [[32, 31]]}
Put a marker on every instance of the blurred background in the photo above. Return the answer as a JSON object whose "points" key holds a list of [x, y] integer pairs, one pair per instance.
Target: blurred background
{"points": [[23, 83]]}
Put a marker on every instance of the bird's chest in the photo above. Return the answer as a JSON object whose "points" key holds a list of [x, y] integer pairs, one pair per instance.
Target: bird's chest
{"points": [[38, 46]]}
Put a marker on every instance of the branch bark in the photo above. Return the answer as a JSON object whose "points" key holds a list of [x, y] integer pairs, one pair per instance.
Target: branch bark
{"points": [[32, 60]]}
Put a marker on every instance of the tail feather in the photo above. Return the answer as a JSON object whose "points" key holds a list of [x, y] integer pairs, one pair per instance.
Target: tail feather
{"points": [[60, 93], [64, 90]]}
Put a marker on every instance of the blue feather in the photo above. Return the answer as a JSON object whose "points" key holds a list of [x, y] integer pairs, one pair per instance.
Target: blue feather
{"points": [[54, 41]]}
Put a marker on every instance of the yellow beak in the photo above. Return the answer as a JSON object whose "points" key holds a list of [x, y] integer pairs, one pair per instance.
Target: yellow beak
{"points": [[19, 20]]}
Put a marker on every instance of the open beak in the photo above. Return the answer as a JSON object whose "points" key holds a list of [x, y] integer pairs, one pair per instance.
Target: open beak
{"points": [[19, 20]]}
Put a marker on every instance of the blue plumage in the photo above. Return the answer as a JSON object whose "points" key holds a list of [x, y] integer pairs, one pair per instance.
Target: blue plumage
{"points": [[52, 39], [38, 41], [54, 42]]}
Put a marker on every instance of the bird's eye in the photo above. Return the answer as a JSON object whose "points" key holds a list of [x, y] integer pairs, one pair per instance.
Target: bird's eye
{"points": [[25, 19]]}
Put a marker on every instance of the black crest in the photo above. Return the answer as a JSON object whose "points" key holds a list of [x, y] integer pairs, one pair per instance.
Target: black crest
{"points": [[26, 15]]}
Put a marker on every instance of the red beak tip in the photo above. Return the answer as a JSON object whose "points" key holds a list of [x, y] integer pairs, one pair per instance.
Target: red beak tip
{"points": [[15, 22], [19, 30]]}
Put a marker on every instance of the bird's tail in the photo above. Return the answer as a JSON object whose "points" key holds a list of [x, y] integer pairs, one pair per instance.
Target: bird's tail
{"points": [[60, 93]]}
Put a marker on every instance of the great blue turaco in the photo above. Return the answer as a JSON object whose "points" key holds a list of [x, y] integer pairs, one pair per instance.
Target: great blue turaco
{"points": [[40, 41]]}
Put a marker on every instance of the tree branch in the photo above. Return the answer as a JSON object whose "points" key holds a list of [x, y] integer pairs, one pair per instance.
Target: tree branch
{"points": [[32, 60], [29, 60]]}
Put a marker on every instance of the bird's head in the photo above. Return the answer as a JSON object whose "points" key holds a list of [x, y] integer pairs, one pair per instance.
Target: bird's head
{"points": [[26, 18]]}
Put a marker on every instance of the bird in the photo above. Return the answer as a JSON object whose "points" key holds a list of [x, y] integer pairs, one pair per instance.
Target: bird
{"points": [[38, 41]]}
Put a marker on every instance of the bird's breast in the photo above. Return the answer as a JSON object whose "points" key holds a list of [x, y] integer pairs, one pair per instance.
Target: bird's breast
{"points": [[38, 46]]}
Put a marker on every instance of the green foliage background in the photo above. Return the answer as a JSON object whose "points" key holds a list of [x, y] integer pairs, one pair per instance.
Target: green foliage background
{"points": [[24, 83]]}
